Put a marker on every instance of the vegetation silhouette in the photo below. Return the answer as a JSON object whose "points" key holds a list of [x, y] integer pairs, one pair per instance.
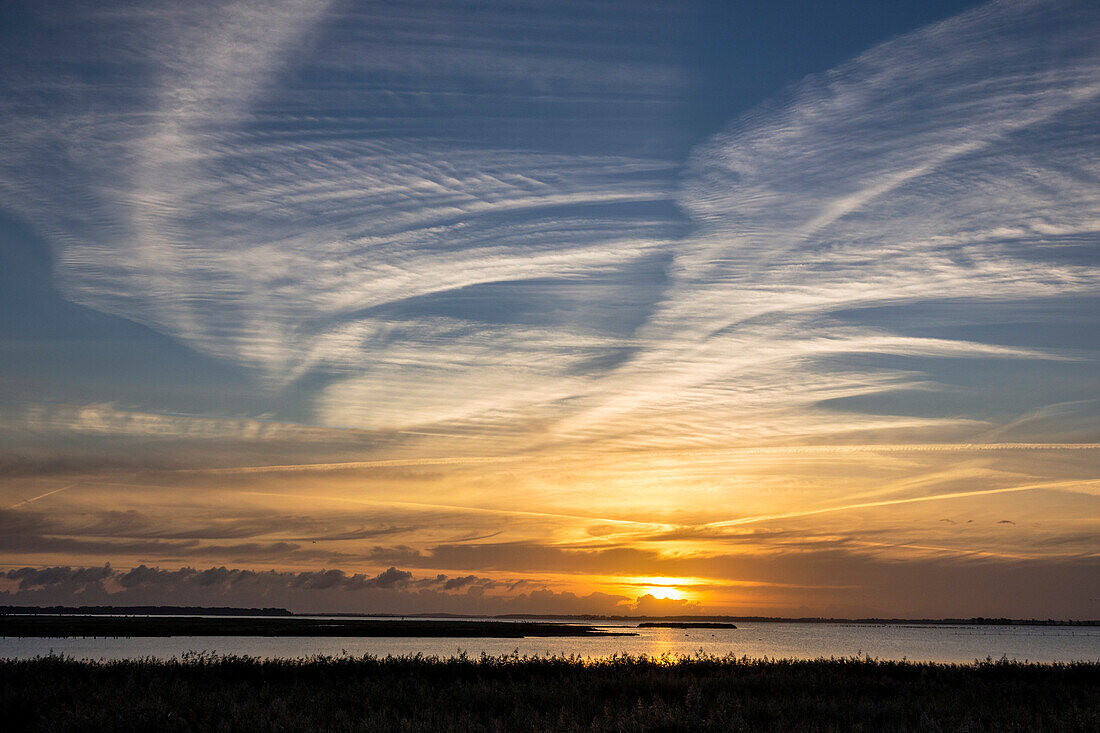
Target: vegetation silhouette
{"points": [[204, 691]]}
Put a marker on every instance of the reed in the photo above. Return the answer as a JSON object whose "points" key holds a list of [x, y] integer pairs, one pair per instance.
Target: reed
{"points": [[207, 692]]}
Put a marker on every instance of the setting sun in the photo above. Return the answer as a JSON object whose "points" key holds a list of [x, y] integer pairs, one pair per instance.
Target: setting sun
{"points": [[665, 593], [662, 588]]}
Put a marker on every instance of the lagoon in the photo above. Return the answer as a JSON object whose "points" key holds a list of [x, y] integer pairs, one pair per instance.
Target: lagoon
{"points": [[756, 640]]}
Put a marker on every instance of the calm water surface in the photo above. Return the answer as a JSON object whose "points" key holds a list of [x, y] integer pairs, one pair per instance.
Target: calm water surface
{"points": [[775, 640]]}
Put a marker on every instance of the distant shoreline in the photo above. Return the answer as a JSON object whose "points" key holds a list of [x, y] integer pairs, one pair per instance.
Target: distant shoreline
{"points": [[572, 618], [68, 626], [686, 625]]}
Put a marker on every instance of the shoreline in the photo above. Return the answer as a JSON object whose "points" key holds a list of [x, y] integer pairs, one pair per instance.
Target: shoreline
{"points": [[594, 619], [65, 626]]}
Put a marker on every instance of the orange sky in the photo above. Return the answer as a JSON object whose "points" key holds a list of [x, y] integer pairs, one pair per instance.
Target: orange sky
{"points": [[890, 530]]}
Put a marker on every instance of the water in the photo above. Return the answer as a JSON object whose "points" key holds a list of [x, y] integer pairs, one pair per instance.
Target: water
{"points": [[756, 640]]}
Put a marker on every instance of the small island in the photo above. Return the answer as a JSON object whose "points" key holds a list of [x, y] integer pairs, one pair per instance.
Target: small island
{"points": [[685, 625]]}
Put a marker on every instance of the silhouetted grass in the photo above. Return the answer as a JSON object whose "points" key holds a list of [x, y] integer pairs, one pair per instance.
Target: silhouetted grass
{"points": [[221, 693]]}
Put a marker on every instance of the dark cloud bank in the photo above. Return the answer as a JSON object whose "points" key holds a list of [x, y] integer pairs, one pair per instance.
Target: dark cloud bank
{"points": [[818, 584], [391, 591]]}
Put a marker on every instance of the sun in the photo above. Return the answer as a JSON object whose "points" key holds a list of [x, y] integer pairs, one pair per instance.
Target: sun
{"points": [[663, 588], [663, 593]]}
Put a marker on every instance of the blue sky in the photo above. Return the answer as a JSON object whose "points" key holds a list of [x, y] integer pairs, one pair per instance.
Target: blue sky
{"points": [[573, 251], [550, 82]]}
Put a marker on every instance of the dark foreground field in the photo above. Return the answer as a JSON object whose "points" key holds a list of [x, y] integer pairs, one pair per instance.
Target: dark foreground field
{"points": [[207, 693]]}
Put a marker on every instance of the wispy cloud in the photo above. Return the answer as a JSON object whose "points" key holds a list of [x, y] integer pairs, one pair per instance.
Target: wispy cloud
{"points": [[243, 207], [1055, 485], [950, 163], [109, 420], [263, 235]]}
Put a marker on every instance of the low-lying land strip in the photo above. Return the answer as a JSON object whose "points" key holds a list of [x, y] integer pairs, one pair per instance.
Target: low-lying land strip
{"points": [[581, 618], [144, 611], [685, 625], [68, 626], [205, 692]]}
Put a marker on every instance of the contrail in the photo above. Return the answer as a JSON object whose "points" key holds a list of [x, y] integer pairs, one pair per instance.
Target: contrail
{"points": [[952, 550], [770, 450], [891, 502], [41, 496], [881, 448], [460, 508], [302, 467], [437, 435]]}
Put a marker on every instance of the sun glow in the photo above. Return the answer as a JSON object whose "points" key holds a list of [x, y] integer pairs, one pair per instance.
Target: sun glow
{"points": [[663, 587], [662, 592]]}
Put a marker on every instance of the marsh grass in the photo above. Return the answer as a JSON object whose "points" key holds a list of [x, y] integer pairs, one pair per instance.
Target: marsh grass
{"points": [[208, 692]]}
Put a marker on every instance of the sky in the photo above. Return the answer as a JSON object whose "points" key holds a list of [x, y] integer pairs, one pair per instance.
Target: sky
{"points": [[754, 308]]}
